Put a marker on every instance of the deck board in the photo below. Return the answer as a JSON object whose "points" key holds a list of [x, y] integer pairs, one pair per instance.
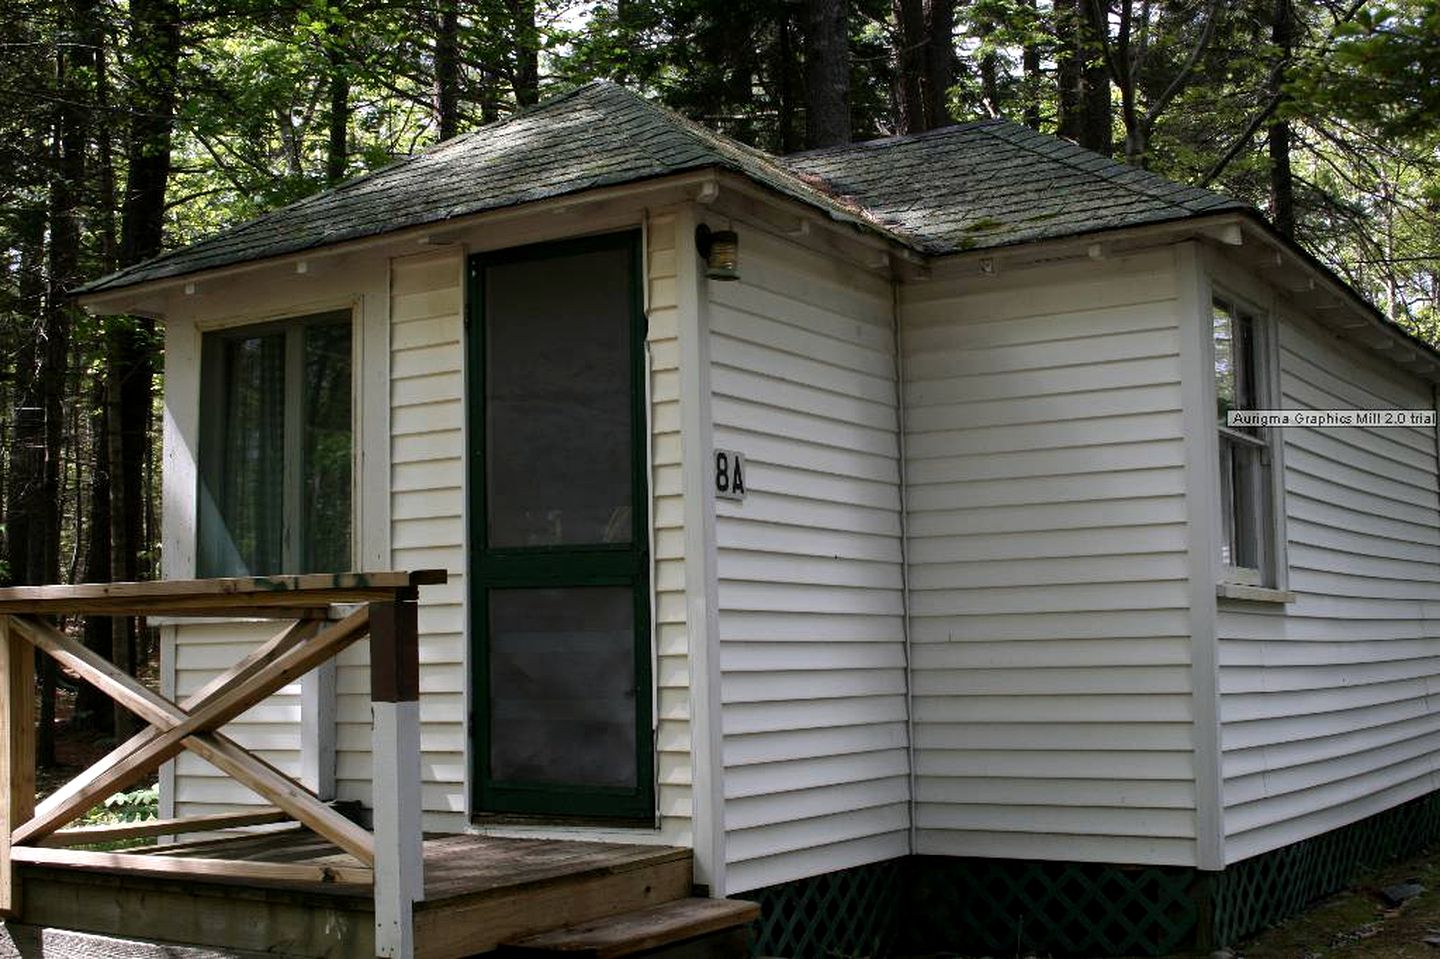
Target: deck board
{"points": [[464, 865], [454, 865], [478, 889]]}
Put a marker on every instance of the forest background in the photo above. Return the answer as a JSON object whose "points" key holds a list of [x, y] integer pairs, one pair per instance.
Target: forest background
{"points": [[128, 128]]}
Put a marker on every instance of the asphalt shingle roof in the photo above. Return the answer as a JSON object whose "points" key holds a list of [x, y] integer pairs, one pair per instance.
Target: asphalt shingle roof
{"points": [[996, 183], [980, 185]]}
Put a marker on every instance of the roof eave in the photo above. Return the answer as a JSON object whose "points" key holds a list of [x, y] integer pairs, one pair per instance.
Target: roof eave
{"points": [[123, 299], [1230, 228], [1398, 344]]}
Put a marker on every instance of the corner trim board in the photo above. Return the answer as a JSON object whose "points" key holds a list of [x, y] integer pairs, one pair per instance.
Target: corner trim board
{"points": [[1202, 507], [701, 589]]}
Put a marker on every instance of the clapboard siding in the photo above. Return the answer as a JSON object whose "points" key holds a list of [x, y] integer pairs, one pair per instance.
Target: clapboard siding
{"points": [[1045, 470], [271, 729], [810, 585], [427, 530], [1325, 703]]}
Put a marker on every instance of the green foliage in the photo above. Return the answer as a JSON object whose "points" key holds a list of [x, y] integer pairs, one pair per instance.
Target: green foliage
{"points": [[1382, 69], [137, 805]]}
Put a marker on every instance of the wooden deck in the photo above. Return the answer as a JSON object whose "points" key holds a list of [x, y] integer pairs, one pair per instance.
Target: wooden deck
{"points": [[479, 892], [327, 888]]}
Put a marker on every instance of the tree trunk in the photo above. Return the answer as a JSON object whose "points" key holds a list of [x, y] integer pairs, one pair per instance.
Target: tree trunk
{"points": [[924, 63], [1282, 184], [1069, 70], [73, 62], [24, 541], [155, 54], [92, 707], [447, 69], [105, 154], [939, 61], [1030, 66], [787, 133], [990, 84], [25, 479], [122, 557], [827, 74], [1097, 129], [337, 153], [526, 76], [154, 57], [909, 65]]}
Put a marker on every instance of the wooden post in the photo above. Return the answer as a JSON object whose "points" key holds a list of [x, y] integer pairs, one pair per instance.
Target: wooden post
{"points": [[395, 708], [17, 752]]}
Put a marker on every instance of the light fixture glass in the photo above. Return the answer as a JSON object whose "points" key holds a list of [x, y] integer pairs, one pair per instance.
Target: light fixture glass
{"points": [[721, 250]]}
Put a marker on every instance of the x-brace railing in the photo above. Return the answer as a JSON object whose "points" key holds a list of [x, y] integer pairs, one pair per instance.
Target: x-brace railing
{"points": [[35, 834], [175, 728]]}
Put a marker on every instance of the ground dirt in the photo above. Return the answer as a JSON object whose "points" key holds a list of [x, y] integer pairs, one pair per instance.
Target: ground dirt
{"points": [[1359, 924]]}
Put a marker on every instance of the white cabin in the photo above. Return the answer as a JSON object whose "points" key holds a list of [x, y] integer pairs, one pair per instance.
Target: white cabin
{"points": [[988, 593]]}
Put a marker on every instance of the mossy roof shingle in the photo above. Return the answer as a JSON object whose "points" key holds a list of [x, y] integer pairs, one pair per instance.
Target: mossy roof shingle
{"points": [[995, 183], [983, 184]]}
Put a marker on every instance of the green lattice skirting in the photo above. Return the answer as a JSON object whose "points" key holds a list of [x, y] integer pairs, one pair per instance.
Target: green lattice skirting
{"points": [[926, 905], [849, 913], [1259, 892], [1013, 907]]}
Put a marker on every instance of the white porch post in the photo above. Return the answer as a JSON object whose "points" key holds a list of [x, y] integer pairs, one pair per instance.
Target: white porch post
{"points": [[317, 730], [395, 709]]}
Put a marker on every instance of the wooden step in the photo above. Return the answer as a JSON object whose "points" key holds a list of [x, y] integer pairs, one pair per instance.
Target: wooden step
{"points": [[715, 926], [483, 896]]}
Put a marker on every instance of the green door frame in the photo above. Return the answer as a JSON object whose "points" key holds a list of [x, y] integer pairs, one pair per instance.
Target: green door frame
{"points": [[558, 566]]}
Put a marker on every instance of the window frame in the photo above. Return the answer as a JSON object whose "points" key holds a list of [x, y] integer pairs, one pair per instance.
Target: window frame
{"points": [[212, 429], [1270, 572]]}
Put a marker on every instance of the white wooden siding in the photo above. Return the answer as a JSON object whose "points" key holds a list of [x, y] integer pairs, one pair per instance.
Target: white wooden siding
{"points": [[672, 705], [1047, 543], [1325, 703], [271, 729], [427, 415], [811, 636]]}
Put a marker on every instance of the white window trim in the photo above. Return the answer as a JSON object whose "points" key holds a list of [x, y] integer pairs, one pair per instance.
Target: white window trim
{"points": [[1270, 582]]}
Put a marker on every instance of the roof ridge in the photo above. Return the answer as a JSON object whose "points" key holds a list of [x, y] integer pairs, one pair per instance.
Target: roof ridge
{"points": [[737, 153], [880, 142]]}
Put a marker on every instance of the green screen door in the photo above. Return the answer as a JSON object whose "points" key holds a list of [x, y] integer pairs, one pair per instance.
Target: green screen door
{"points": [[559, 542]]}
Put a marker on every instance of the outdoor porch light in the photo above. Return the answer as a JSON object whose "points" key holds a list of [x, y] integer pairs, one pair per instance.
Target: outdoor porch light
{"points": [[721, 250]]}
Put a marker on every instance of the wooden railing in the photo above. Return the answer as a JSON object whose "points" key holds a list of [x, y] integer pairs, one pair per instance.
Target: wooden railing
{"points": [[390, 858]]}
